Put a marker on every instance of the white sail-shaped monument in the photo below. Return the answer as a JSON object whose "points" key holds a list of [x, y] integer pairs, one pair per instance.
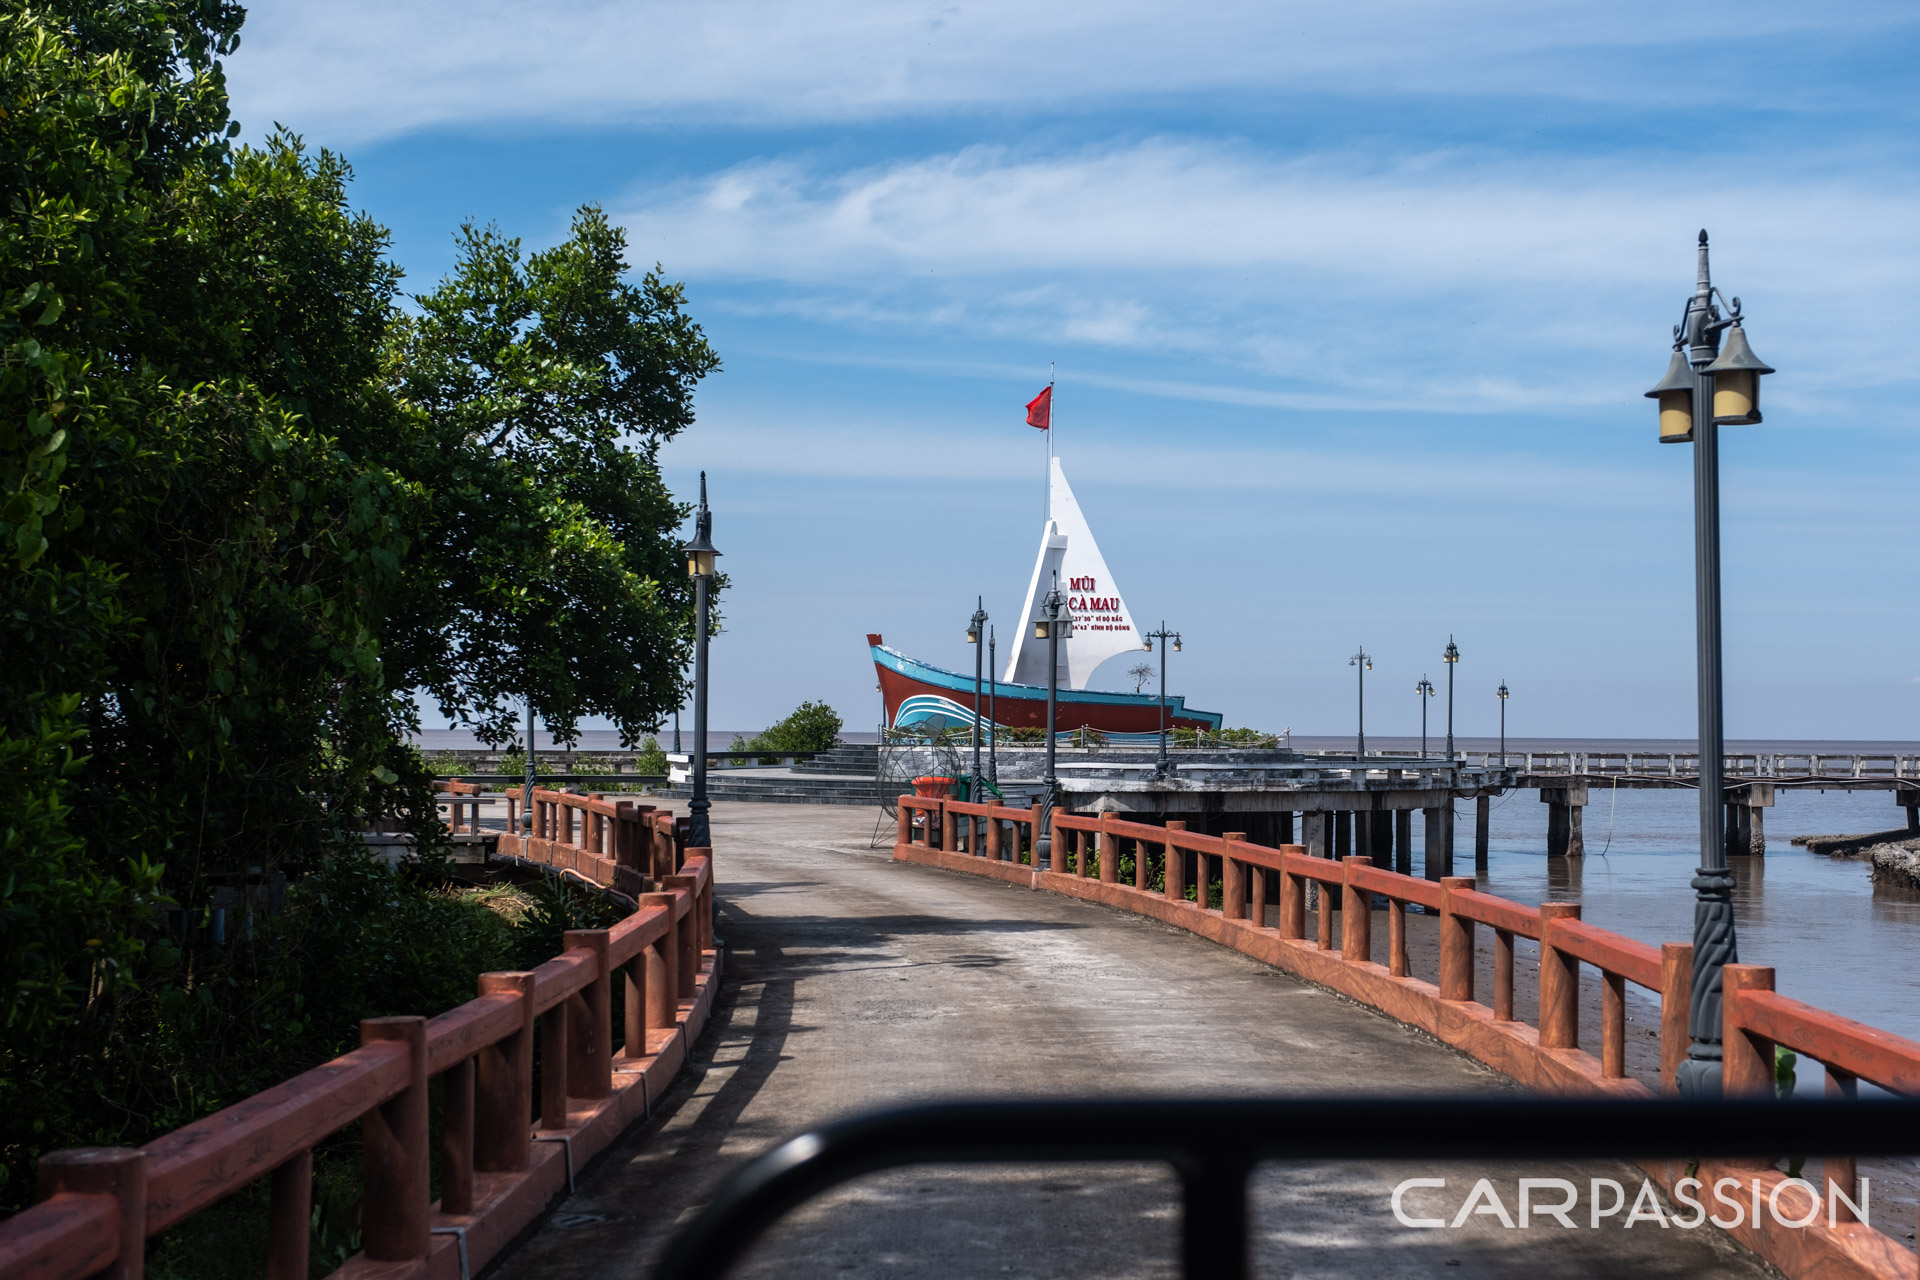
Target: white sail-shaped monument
{"points": [[1102, 627]]}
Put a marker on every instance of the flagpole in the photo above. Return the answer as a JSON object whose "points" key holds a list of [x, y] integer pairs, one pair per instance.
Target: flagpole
{"points": [[1049, 512]]}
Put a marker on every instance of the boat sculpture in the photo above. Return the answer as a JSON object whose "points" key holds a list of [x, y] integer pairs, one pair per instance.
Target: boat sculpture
{"points": [[922, 696]]}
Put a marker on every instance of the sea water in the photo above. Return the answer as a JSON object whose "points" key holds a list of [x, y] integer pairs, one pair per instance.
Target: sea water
{"points": [[1833, 937]]}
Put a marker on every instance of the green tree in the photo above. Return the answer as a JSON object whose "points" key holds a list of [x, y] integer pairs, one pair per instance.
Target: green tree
{"points": [[811, 726], [547, 383], [245, 509]]}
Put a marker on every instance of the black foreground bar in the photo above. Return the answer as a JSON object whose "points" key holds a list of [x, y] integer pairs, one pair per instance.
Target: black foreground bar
{"points": [[1213, 1144]]}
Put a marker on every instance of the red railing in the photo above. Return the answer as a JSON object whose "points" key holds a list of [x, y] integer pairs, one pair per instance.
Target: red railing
{"points": [[1087, 858], [498, 1171]]}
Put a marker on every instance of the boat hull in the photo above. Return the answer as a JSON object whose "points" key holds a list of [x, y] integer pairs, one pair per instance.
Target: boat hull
{"points": [[918, 693]]}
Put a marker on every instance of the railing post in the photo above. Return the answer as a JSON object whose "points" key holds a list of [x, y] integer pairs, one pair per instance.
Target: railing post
{"points": [[1356, 920], [1747, 1059], [993, 831], [1502, 975], [554, 1067], [119, 1173], [1456, 942], [702, 914], [1176, 866], [590, 1019], [663, 970], [1397, 938], [1109, 852], [1559, 982], [687, 964], [1293, 902], [290, 1204], [1613, 1025], [946, 827], [903, 835], [503, 1077], [456, 1143], [1676, 1007], [1325, 899], [1841, 1172], [394, 1155], [1033, 837], [1233, 882]]}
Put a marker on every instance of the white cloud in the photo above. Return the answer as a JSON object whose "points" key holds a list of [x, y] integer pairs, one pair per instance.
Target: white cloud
{"points": [[1415, 282], [355, 69]]}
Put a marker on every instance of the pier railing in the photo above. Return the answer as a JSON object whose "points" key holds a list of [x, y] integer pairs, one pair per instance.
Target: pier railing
{"points": [[1686, 764], [1258, 900], [99, 1205]]}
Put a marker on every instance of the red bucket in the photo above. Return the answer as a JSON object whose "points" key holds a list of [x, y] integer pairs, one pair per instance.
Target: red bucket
{"points": [[932, 788]]}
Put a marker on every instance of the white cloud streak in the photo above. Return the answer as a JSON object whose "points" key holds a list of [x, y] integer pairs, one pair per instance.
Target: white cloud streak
{"points": [[359, 69], [1408, 283]]}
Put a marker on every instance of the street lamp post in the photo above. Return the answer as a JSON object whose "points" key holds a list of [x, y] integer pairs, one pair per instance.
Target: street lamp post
{"points": [[1362, 662], [700, 557], [993, 714], [1425, 690], [976, 627], [1705, 388], [1501, 693], [1452, 658], [1163, 635], [1053, 627]]}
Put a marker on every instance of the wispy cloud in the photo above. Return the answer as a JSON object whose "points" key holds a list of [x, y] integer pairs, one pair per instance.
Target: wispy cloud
{"points": [[375, 68], [1388, 282]]}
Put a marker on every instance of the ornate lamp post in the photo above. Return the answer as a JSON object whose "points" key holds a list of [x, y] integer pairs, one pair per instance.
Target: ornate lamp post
{"points": [[976, 625], [1053, 627], [1501, 693], [1705, 388], [700, 555], [1425, 690], [1452, 658], [993, 715], [1163, 635], [1362, 662]]}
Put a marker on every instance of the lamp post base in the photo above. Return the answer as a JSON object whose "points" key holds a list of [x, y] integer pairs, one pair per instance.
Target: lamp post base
{"points": [[1698, 1078], [699, 831]]}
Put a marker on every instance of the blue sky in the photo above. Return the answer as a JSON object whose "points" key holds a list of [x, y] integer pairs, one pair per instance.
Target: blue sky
{"points": [[1352, 308]]}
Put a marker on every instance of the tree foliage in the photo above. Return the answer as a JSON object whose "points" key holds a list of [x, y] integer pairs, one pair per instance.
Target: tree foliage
{"points": [[548, 383], [247, 505], [811, 726]]}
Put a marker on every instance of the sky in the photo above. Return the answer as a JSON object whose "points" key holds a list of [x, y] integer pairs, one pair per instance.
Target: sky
{"points": [[1351, 309]]}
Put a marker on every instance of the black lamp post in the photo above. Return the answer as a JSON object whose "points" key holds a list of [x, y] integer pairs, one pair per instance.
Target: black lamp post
{"points": [[1362, 662], [976, 627], [1053, 627], [700, 557], [1452, 658], [526, 804], [1163, 635], [1425, 690], [993, 714], [1501, 693], [1706, 388]]}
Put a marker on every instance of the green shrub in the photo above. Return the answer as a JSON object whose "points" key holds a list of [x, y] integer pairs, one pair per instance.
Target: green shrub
{"points": [[811, 726], [651, 760]]}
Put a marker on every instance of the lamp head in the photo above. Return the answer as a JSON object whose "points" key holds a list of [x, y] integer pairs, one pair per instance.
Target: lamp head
{"points": [[1176, 644], [1453, 652], [1736, 379], [1149, 644], [1501, 692], [1675, 394], [700, 552]]}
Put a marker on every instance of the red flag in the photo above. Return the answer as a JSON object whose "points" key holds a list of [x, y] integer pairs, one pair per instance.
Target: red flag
{"points": [[1040, 409]]}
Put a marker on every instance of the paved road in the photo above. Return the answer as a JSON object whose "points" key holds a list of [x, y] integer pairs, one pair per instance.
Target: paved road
{"points": [[854, 982]]}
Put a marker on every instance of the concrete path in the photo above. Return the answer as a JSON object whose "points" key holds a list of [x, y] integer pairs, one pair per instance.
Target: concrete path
{"points": [[854, 982]]}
